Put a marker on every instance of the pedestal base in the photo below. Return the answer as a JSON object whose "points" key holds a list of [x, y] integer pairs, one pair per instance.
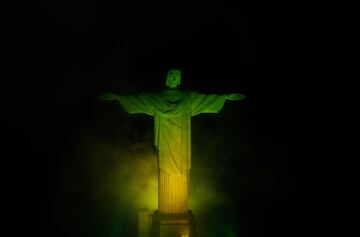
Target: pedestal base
{"points": [[144, 222], [173, 225]]}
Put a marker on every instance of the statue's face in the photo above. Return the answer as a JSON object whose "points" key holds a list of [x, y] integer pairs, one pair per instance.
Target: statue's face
{"points": [[173, 79]]}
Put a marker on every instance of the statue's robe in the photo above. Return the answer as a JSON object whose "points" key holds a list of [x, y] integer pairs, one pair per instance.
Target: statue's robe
{"points": [[172, 111]]}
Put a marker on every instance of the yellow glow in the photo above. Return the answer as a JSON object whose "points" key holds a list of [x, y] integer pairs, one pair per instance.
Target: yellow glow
{"points": [[173, 193], [124, 177], [140, 186], [204, 193]]}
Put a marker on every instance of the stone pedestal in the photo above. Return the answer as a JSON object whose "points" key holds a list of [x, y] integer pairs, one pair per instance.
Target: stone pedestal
{"points": [[144, 222], [173, 225]]}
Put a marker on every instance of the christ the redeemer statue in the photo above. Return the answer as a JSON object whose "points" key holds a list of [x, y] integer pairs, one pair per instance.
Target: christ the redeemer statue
{"points": [[172, 110]]}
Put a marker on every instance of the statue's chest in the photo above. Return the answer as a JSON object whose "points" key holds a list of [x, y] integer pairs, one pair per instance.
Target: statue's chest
{"points": [[174, 104], [172, 96]]}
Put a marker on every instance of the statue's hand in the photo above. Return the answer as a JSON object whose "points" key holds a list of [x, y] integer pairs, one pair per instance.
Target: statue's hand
{"points": [[107, 96], [235, 96]]}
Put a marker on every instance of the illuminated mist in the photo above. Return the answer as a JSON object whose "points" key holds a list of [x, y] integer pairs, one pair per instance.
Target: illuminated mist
{"points": [[112, 171]]}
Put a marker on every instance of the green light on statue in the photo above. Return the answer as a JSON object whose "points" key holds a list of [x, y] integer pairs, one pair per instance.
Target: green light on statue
{"points": [[172, 110]]}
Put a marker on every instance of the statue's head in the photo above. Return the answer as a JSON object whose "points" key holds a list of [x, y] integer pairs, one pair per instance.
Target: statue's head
{"points": [[173, 78]]}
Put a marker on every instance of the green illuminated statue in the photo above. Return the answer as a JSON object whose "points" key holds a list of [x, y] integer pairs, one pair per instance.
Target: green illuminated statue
{"points": [[172, 110]]}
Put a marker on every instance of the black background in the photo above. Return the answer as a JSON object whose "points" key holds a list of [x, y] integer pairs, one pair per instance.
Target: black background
{"points": [[66, 54]]}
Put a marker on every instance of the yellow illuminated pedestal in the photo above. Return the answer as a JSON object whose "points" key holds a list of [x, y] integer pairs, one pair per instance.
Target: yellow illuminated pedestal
{"points": [[173, 193], [173, 225]]}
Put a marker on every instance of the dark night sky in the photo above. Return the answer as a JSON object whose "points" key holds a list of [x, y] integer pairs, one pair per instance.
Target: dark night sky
{"points": [[66, 54]]}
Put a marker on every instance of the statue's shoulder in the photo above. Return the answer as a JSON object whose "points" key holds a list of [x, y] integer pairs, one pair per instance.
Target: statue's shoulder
{"points": [[185, 94], [188, 93], [191, 94], [154, 93]]}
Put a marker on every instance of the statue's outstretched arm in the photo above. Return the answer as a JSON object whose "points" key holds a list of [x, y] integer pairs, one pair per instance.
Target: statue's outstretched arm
{"points": [[235, 96], [140, 103]]}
